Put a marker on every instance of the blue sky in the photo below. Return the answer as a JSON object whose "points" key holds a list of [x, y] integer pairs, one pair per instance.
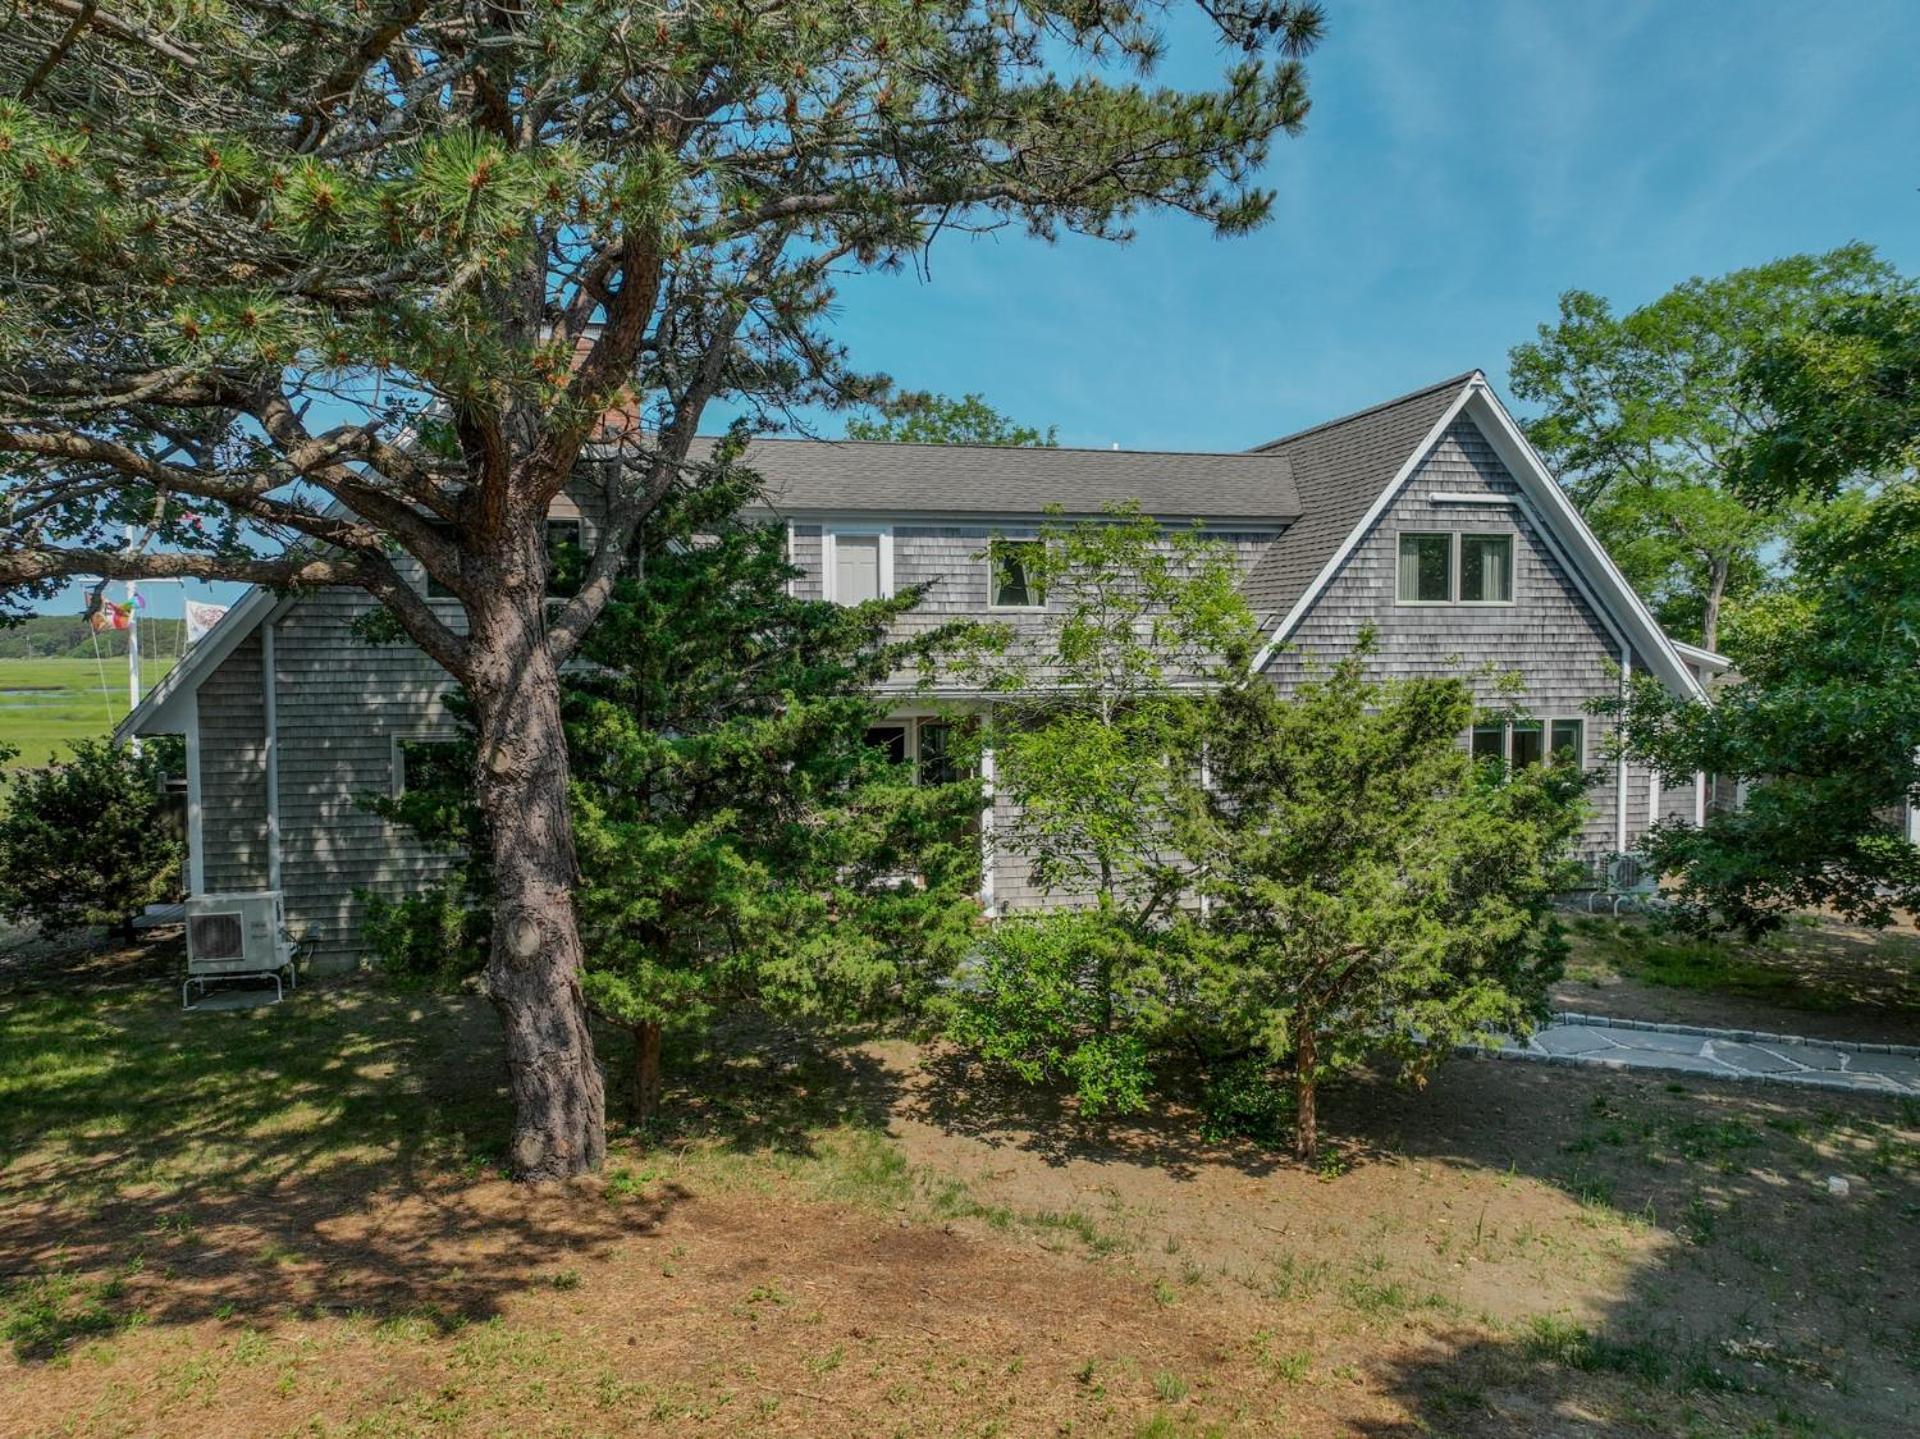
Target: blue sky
{"points": [[1463, 164]]}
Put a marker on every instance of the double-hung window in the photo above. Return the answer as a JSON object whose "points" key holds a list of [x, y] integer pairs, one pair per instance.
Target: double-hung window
{"points": [[1490, 741], [930, 743]]}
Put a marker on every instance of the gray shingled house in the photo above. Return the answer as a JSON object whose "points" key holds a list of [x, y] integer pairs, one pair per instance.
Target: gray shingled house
{"points": [[1429, 517]]}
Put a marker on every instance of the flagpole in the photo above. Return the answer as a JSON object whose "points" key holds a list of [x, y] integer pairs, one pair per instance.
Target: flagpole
{"points": [[133, 649]]}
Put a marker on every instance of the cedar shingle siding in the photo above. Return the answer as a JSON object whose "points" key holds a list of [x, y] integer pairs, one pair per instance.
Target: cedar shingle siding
{"points": [[342, 704], [1285, 509], [1550, 636], [233, 775]]}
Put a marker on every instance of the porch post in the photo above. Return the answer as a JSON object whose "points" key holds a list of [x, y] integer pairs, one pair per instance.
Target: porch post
{"points": [[196, 826], [987, 899], [272, 749], [1620, 780]]}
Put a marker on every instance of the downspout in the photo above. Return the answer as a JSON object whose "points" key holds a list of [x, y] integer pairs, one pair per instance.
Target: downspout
{"points": [[1620, 783], [269, 691], [196, 826]]}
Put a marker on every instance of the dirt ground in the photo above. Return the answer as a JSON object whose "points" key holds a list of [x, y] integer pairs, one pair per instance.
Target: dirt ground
{"points": [[280, 1222]]}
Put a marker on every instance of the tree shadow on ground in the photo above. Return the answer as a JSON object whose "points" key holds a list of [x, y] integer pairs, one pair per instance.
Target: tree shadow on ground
{"points": [[753, 1086], [331, 1154], [1762, 1303], [1683, 1270], [961, 1096]]}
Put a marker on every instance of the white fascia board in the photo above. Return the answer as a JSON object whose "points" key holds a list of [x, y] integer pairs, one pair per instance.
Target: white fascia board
{"points": [[162, 711], [1388, 494], [1523, 462], [1695, 655]]}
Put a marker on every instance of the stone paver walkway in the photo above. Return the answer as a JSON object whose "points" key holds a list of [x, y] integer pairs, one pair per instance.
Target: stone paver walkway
{"points": [[1721, 1054]]}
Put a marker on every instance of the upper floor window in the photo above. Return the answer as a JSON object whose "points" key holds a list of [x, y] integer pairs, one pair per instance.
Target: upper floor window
{"points": [[1010, 565], [1426, 569], [859, 565], [1445, 567], [1486, 569]]}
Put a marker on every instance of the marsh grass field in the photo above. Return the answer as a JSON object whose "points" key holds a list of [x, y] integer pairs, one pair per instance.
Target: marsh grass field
{"points": [[292, 1220], [46, 704]]}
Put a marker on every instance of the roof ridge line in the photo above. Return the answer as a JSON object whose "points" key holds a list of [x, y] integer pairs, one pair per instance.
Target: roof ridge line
{"points": [[1253, 454], [1464, 378]]}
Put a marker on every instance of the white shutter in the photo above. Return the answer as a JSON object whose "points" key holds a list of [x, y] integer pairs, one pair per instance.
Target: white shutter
{"points": [[856, 568]]}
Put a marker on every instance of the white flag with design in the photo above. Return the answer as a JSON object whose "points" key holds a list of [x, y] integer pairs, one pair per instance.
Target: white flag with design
{"points": [[201, 618]]}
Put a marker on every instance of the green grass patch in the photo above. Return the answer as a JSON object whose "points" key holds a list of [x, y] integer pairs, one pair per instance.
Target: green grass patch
{"points": [[47, 704], [1654, 1360], [1806, 966]]}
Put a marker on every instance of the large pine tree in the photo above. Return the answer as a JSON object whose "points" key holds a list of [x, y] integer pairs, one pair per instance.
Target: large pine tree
{"points": [[294, 285]]}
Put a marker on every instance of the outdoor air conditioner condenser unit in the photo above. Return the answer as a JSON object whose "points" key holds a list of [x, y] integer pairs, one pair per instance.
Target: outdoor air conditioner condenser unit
{"points": [[232, 935]]}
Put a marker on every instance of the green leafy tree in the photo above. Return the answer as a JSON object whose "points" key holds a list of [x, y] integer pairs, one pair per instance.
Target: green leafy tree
{"points": [[298, 289], [741, 842], [1643, 414], [919, 417], [1824, 723], [1096, 740], [1369, 888], [87, 841]]}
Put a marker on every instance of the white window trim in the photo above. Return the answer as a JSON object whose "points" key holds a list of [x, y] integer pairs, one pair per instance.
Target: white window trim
{"points": [[830, 561], [988, 560], [1456, 554], [1546, 725]]}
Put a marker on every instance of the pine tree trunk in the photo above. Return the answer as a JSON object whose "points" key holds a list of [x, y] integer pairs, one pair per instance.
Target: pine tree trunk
{"points": [[644, 1096], [533, 972], [1306, 1119]]}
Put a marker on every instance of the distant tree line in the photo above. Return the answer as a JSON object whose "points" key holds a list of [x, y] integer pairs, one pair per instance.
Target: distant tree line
{"points": [[53, 637]]}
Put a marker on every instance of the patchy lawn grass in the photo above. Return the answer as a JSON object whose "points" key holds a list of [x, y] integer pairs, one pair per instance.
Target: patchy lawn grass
{"points": [[1819, 977], [290, 1221]]}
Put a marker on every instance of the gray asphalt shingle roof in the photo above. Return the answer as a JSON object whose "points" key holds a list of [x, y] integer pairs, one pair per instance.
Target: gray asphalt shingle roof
{"points": [[855, 476], [1339, 468]]}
